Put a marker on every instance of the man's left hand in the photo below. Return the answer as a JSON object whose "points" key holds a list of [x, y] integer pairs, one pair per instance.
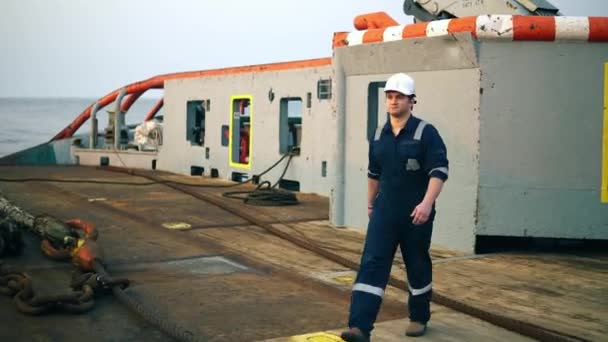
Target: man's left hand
{"points": [[421, 213]]}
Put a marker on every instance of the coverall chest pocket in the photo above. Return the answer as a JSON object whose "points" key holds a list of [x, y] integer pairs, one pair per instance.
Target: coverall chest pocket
{"points": [[410, 155]]}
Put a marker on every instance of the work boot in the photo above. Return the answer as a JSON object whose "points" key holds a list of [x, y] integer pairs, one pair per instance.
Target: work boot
{"points": [[354, 335], [415, 329]]}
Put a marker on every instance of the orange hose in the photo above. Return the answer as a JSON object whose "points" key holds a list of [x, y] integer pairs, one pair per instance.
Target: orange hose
{"points": [[158, 82], [130, 101], [155, 109]]}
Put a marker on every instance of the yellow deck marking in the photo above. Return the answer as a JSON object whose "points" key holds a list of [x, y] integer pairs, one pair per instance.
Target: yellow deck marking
{"points": [[316, 337], [346, 279]]}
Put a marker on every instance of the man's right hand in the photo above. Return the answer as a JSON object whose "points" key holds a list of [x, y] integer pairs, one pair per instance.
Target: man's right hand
{"points": [[369, 212]]}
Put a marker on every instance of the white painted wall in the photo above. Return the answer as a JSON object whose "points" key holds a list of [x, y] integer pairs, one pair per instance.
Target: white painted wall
{"points": [[177, 154], [123, 158]]}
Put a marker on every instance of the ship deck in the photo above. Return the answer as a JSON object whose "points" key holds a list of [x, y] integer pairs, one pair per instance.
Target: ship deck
{"points": [[226, 279]]}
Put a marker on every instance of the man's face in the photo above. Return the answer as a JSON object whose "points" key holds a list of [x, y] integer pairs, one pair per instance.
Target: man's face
{"points": [[398, 104]]}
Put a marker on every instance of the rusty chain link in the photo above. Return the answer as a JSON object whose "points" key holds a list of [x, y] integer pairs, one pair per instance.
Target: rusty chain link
{"points": [[19, 285], [62, 241]]}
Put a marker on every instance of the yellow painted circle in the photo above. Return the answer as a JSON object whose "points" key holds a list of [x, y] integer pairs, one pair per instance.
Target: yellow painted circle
{"points": [[177, 225]]}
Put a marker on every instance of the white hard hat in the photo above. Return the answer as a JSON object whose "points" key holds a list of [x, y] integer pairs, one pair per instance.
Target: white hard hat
{"points": [[402, 83]]}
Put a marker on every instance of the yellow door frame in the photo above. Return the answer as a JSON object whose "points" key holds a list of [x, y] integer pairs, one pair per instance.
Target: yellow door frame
{"points": [[605, 140], [240, 97]]}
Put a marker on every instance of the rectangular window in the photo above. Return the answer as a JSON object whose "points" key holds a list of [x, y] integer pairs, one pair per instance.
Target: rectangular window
{"points": [[290, 124], [241, 129], [324, 89], [376, 108], [225, 134], [195, 123]]}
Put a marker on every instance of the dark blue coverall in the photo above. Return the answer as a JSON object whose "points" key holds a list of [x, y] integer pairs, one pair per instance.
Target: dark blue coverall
{"points": [[404, 165]]}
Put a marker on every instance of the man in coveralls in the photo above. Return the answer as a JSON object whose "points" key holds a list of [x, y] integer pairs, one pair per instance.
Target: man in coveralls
{"points": [[407, 168]]}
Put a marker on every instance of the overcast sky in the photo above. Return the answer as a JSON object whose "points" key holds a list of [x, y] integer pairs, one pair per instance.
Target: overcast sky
{"points": [[87, 48]]}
